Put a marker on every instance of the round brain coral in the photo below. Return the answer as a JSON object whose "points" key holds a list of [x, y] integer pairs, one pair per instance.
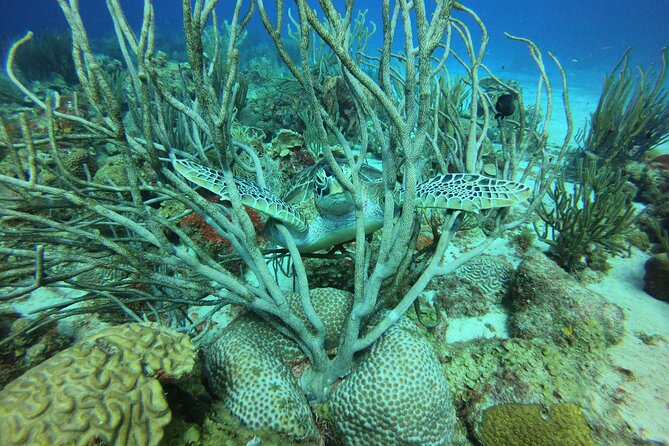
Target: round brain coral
{"points": [[102, 390], [256, 386], [396, 395]]}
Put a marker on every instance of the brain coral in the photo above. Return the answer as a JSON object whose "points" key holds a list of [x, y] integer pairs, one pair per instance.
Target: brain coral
{"points": [[491, 274], [525, 425], [397, 394], [101, 390]]}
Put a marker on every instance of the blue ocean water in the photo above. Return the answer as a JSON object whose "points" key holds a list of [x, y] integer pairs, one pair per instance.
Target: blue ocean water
{"points": [[588, 37]]}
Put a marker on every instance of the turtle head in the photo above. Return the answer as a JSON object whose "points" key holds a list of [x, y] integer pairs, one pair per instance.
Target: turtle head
{"points": [[331, 197]]}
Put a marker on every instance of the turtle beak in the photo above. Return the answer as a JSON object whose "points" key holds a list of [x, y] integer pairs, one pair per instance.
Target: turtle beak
{"points": [[336, 205], [336, 201], [334, 187]]}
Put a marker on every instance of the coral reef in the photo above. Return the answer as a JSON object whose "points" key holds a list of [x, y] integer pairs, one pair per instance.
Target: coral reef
{"points": [[196, 226], [113, 171], [501, 371], [399, 379], [332, 306], [489, 373], [21, 350], [490, 274], [104, 389], [80, 162], [396, 394], [527, 425], [474, 287], [653, 187], [367, 125], [247, 367], [277, 106], [334, 272], [257, 387]]}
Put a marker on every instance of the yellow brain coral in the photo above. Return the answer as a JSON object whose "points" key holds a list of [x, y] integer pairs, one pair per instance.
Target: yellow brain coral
{"points": [[525, 425], [104, 389]]}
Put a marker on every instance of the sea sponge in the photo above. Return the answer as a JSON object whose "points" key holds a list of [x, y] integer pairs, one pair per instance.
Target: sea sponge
{"points": [[525, 425], [396, 395], [104, 389]]}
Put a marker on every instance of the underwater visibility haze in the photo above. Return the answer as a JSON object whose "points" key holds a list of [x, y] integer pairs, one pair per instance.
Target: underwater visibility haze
{"points": [[254, 222]]}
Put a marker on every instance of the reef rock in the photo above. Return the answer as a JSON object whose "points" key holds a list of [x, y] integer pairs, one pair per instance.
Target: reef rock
{"points": [[548, 303]]}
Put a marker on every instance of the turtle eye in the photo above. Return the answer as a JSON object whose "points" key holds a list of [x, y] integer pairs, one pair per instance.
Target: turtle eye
{"points": [[321, 184]]}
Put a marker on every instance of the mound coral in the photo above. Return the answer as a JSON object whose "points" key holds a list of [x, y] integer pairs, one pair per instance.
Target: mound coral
{"points": [[257, 387], [397, 394], [247, 367]]}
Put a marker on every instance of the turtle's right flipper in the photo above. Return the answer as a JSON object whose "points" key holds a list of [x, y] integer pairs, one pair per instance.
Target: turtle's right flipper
{"points": [[251, 194]]}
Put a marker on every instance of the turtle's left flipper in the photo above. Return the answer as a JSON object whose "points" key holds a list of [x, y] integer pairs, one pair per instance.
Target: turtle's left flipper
{"points": [[468, 192]]}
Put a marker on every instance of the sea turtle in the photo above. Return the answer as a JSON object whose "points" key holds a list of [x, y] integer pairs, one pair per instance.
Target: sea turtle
{"points": [[320, 214]]}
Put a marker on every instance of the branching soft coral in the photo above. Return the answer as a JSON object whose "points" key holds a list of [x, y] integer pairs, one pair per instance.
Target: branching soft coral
{"points": [[632, 116], [597, 211]]}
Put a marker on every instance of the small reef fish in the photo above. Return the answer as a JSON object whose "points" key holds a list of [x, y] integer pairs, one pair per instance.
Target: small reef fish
{"points": [[505, 105]]}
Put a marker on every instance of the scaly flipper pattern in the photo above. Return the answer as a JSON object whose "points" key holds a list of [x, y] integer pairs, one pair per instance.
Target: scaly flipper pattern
{"points": [[251, 194], [468, 192]]}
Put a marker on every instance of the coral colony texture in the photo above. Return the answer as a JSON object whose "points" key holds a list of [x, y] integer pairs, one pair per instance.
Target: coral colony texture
{"points": [[105, 389], [295, 225]]}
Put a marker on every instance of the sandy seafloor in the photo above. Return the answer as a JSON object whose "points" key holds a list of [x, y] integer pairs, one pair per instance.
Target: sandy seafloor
{"points": [[644, 400]]}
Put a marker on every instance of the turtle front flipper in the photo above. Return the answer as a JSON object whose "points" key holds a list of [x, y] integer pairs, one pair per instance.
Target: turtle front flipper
{"points": [[468, 192], [251, 194]]}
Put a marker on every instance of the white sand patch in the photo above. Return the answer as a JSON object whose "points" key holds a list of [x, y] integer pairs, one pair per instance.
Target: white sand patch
{"points": [[492, 325], [644, 397], [74, 327]]}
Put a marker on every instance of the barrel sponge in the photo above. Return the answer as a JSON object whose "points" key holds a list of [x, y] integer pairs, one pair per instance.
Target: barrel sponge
{"points": [[102, 390], [396, 395], [257, 387], [526, 425]]}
